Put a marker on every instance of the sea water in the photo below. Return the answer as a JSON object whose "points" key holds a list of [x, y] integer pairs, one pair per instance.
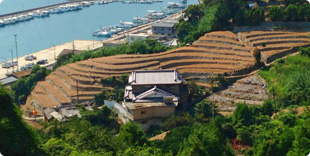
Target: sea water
{"points": [[42, 33]]}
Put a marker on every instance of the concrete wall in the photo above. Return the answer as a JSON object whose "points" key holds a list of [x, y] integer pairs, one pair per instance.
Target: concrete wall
{"points": [[163, 31], [153, 112], [134, 37]]}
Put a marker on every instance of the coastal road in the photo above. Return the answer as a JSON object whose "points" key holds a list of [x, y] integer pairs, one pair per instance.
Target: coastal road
{"points": [[50, 53]]}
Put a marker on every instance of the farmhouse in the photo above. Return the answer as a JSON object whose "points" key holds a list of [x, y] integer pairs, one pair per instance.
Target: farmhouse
{"points": [[153, 95]]}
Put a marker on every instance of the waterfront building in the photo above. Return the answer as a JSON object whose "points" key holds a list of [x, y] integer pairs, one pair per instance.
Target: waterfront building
{"points": [[142, 36], [151, 96], [166, 27]]}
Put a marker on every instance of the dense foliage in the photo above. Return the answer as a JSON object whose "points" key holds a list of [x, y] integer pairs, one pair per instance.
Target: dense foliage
{"points": [[23, 86], [251, 130], [291, 13], [16, 138], [115, 90], [215, 15], [288, 80]]}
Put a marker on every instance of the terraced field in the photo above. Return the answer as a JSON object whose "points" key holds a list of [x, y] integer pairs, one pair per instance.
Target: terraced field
{"points": [[213, 53], [275, 44], [216, 52], [251, 90]]}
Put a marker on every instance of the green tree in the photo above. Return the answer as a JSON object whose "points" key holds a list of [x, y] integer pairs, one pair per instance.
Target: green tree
{"points": [[177, 120], [291, 13], [275, 13], [57, 147], [141, 151], [203, 110], [206, 140], [16, 138], [174, 139], [242, 115], [133, 135]]}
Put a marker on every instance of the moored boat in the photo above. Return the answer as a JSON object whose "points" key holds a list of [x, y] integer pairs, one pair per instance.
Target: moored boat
{"points": [[104, 34], [2, 23], [85, 4], [40, 13]]}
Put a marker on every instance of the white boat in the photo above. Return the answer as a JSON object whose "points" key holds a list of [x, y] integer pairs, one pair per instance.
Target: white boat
{"points": [[64, 9], [104, 34], [75, 7], [2, 23], [85, 4], [9, 20], [140, 21], [156, 16], [24, 17], [101, 2], [40, 13], [54, 10], [30, 15]]}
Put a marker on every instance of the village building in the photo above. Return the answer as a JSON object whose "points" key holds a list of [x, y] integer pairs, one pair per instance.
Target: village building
{"points": [[151, 96], [130, 38], [166, 27]]}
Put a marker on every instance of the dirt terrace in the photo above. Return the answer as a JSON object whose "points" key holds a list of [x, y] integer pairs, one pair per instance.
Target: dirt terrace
{"points": [[275, 44], [215, 53], [251, 90]]}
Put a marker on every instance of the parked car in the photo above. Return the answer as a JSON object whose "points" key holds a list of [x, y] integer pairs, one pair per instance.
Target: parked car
{"points": [[43, 61], [29, 65], [7, 65], [30, 57]]}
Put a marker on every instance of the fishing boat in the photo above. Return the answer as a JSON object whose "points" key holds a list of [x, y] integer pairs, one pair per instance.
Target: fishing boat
{"points": [[74, 7], [40, 13], [126, 25], [9, 20], [175, 5], [25, 17], [85, 4], [169, 11], [101, 2], [2, 23], [63, 9], [155, 16], [55, 10], [140, 21], [104, 34]]}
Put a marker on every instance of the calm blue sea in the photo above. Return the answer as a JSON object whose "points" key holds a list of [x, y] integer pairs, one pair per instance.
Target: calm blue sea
{"points": [[42, 33], [8, 6]]}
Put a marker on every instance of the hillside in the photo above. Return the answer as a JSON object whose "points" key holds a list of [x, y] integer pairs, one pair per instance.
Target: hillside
{"points": [[214, 53]]}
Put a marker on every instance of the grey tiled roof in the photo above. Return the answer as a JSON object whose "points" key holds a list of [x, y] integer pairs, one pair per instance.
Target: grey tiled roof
{"points": [[154, 77], [167, 25], [8, 80]]}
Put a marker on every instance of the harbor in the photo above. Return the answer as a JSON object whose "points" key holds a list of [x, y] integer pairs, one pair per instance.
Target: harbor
{"points": [[54, 44], [50, 54]]}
